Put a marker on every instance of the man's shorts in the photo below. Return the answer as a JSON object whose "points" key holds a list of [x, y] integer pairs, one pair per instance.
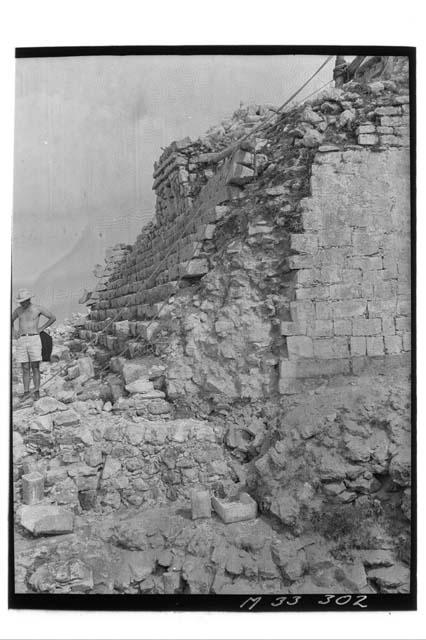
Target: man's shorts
{"points": [[28, 349]]}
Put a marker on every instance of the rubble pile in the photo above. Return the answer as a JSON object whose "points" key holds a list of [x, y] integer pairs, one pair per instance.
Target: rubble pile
{"points": [[240, 501], [233, 414]]}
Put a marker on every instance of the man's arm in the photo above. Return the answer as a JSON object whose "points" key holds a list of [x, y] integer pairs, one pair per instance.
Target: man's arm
{"points": [[50, 318], [15, 316]]}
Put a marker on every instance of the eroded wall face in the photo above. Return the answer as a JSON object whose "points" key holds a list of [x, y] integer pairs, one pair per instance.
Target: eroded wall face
{"points": [[287, 261], [352, 294]]}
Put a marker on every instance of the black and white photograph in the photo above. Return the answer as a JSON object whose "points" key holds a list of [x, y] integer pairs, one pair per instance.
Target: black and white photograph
{"points": [[212, 378]]}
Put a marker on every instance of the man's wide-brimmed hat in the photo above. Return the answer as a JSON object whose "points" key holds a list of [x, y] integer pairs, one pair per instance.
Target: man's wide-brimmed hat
{"points": [[23, 294]]}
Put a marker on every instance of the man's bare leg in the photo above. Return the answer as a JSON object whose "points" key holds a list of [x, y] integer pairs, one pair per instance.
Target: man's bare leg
{"points": [[26, 377], [35, 366]]}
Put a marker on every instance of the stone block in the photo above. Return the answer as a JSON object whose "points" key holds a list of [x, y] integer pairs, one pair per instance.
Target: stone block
{"points": [[377, 308], [312, 138], [121, 329], [299, 347], [365, 263], [42, 520], [288, 369], [333, 256], [331, 274], [406, 341], [243, 509], [320, 328], [256, 229], [209, 231], [388, 111], [240, 175], [141, 385], [200, 504], [390, 140], [313, 293], [385, 130], [196, 267], [172, 581], [365, 128], [302, 310], [292, 328], [368, 139], [375, 346], [323, 310], [393, 344], [403, 323], [343, 291], [388, 325], [302, 261], [67, 418], [331, 348], [342, 327], [358, 346], [277, 190], [349, 308], [403, 306], [220, 212], [32, 488], [304, 242], [307, 276], [317, 367], [366, 244], [366, 326], [48, 405], [335, 236]]}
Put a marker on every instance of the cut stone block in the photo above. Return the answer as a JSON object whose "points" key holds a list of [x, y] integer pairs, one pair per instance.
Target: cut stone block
{"points": [[366, 326], [201, 504], [358, 346], [375, 346], [48, 405], [196, 267], [67, 418], [244, 509], [299, 347], [143, 385], [32, 488], [46, 520], [85, 365]]}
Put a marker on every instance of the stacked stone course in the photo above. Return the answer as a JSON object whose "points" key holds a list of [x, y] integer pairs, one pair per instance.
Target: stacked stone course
{"points": [[310, 221]]}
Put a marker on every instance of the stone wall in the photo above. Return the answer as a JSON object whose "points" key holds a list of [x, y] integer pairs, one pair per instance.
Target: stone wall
{"points": [[287, 261], [352, 294]]}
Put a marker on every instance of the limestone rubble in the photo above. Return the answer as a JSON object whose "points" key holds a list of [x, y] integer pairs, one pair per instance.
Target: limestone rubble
{"points": [[269, 356]]}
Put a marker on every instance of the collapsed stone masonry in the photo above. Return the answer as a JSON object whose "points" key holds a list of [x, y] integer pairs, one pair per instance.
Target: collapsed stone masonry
{"points": [[286, 262], [253, 346]]}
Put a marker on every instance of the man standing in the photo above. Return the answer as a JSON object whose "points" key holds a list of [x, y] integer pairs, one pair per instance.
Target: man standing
{"points": [[28, 346]]}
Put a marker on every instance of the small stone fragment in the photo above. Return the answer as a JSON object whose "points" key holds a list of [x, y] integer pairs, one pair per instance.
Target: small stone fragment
{"points": [[200, 504], [32, 488]]}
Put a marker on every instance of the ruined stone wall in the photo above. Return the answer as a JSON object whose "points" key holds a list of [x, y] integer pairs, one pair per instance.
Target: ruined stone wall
{"points": [[173, 245], [352, 294], [294, 252]]}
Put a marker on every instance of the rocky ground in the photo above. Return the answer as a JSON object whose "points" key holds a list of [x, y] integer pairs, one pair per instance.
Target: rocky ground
{"points": [[104, 470]]}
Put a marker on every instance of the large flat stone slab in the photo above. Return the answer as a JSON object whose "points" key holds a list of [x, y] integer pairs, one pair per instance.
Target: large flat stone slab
{"points": [[42, 520]]}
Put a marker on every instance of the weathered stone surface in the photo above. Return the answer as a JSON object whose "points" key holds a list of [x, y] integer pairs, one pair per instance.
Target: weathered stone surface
{"points": [[68, 418], [200, 504], [32, 488], [46, 520], [48, 405], [71, 576], [390, 577], [141, 385]]}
